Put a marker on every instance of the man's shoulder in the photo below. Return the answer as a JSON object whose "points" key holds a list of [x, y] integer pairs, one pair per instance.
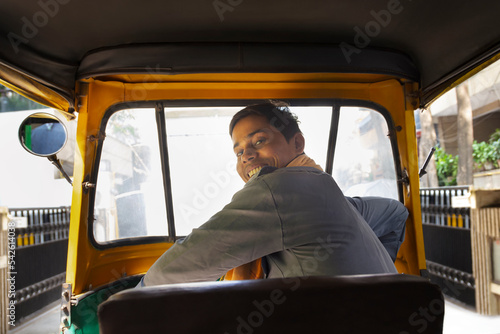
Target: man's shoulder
{"points": [[272, 176], [289, 171], [267, 170]]}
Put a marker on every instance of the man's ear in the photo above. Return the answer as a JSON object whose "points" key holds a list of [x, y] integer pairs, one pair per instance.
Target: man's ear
{"points": [[299, 143]]}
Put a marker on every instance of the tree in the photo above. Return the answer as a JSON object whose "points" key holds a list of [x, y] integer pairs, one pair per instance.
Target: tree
{"points": [[427, 141], [465, 135]]}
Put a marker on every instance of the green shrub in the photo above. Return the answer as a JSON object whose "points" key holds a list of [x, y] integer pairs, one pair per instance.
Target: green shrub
{"points": [[446, 168], [495, 147], [480, 152], [495, 136]]}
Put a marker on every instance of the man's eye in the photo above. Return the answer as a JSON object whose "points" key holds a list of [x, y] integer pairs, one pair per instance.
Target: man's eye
{"points": [[259, 142], [239, 153]]}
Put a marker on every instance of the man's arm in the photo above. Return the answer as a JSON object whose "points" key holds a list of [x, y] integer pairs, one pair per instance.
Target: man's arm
{"points": [[246, 229], [387, 218]]}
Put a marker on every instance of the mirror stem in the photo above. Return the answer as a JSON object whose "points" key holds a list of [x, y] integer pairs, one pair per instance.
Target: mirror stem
{"points": [[423, 171], [56, 163]]}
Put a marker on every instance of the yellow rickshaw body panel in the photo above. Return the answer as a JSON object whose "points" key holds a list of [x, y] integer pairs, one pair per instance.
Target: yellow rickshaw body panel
{"points": [[89, 267]]}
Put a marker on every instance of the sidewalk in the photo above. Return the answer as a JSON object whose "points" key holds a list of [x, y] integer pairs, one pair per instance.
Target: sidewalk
{"points": [[457, 320], [44, 323]]}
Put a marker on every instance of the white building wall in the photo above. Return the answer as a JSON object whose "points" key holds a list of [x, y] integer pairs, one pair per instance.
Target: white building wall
{"points": [[484, 89]]}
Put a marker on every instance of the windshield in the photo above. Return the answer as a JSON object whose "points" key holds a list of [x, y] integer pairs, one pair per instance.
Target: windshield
{"points": [[200, 177], [364, 161]]}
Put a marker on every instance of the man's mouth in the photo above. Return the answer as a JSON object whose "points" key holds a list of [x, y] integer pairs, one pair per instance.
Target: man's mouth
{"points": [[254, 171]]}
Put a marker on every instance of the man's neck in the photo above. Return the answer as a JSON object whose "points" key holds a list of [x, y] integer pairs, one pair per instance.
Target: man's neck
{"points": [[302, 160]]}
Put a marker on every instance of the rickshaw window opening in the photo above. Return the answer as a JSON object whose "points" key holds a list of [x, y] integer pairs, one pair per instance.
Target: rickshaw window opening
{"points": [[183, 182], [135, 200], [368, 165]]}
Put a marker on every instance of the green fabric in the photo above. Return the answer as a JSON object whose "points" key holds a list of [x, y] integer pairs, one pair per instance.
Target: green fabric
{"points": [[84, 315]]}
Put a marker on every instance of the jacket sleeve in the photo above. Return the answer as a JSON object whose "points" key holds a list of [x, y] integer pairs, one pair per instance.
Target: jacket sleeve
{"points": [[246, 229]]}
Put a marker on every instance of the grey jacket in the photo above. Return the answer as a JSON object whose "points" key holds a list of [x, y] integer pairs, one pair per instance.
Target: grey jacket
{"points": [[296, 218]]}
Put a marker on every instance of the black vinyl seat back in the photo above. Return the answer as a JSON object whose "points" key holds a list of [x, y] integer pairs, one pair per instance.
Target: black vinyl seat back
{"points": [[344, 304]]}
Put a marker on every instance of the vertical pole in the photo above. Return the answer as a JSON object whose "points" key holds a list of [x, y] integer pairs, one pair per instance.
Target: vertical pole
{"points": [[464, 135], [162, 138], [427, 140]]}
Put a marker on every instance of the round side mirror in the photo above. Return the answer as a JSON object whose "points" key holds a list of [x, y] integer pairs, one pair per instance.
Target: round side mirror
{"points": [[42, 134]]}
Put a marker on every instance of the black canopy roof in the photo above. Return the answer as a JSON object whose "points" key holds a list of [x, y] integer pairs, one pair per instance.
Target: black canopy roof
{"points": [[55, 42]]}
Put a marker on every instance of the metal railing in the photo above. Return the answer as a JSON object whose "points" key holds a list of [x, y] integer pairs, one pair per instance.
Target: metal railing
{"points": [[437, 209], [43, 225], [41, 238], [447, 241]]}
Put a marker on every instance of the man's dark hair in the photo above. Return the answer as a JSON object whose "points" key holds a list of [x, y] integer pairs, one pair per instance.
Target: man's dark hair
{"points": [[278, 114]]}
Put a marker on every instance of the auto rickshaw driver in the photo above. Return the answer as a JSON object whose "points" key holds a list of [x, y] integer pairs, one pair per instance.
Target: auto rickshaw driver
{"points": [[385, 216], [296, 218]]}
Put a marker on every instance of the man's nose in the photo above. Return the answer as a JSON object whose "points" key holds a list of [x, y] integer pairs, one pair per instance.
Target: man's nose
{"points": [[248, 155]]}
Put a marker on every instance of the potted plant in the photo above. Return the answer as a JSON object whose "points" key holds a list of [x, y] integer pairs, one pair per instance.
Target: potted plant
{"points": [[486, 154]]}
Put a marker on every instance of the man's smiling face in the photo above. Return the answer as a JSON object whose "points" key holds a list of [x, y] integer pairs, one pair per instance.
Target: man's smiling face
{"points": [[257, 144]]}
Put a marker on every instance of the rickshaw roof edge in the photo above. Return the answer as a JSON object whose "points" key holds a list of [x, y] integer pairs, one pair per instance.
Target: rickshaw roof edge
{"points": [[183, 58]]}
